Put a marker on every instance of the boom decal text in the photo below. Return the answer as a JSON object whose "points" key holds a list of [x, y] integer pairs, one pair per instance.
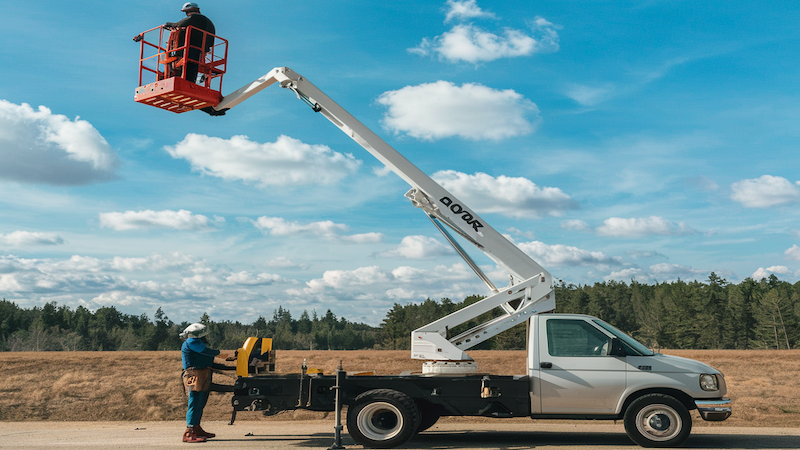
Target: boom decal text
{"points": [[466, 216]]}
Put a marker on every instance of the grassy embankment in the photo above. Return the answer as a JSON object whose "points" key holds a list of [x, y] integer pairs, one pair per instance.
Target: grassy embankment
{"points": [[137, 386]]}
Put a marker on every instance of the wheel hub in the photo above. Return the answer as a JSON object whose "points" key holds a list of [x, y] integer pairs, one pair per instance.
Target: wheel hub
{"points": [[659, 422], [384, 420]]}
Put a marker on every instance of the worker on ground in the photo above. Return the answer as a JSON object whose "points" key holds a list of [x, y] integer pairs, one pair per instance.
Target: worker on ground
{"points": [[199, 42], [197, 362]]}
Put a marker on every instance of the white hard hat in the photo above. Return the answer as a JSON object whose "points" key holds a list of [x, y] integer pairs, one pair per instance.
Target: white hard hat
{"points": [[195, 330], [189, 6]]}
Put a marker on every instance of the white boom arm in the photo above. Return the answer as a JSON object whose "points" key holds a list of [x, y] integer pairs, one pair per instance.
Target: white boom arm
{"points": [[533, 291]]}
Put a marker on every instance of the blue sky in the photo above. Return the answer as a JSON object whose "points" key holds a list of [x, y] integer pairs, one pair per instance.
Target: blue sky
{"points": [[646, 140]]}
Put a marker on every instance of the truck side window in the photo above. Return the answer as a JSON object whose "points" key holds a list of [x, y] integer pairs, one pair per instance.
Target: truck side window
{"points": [[571, 337]]}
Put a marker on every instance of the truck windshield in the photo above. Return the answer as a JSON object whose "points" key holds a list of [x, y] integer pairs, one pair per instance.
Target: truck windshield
{"points": [[629, 342]]}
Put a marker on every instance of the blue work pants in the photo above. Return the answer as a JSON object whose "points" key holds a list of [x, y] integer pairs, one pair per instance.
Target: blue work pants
{"points": [[197, 401]]}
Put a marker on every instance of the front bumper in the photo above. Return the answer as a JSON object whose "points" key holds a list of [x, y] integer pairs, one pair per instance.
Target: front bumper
{"points": [[715, 409]]}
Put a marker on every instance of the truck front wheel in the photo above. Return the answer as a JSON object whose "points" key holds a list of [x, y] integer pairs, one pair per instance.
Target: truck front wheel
{"points": [[382, 418], [657, 420]]}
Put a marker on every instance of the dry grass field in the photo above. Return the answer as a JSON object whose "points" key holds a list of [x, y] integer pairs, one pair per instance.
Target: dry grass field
{"points": [[145, 386]]}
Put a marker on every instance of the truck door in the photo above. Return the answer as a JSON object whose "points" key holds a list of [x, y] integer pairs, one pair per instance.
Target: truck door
{"points": [[576, 374]]}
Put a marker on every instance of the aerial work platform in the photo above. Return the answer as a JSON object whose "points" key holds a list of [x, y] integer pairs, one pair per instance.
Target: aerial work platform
{"points": [[179, 71]]}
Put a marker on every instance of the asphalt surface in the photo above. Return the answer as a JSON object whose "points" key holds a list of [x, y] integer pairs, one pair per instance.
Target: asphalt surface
{"points": [[276, 434]]}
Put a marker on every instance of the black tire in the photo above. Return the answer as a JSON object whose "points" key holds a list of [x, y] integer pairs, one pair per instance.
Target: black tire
{"points": [[382, 418], [428, 418], [657, 420]]}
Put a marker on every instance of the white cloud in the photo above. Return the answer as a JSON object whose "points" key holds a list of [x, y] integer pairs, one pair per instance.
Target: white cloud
{"points": [[643, 254], [671, 272], [639, 227], [657, 273], [418, 247], [471, 111], [277, 226], [249, 279], [473, 44], [451, 274], [363, 238], [765, 192], [464, 10], [793, 253], [563, 255], [341, 279], [182, 283], [286, 161], [167, 219], [378, 285], [186, 286], [510, 196], [37, 146], [589, 95], [627, 275], [381, 171], [759, 274], [782, 270], [516, 231], [283, 262], [762, 273], [25, 238], [574, 225], [155, 262]]}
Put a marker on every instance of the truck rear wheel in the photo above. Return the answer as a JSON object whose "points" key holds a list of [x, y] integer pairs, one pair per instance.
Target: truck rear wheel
{"points": [[382, 418], [657, 420]]}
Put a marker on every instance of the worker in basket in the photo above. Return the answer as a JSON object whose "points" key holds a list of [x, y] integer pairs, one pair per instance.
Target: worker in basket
{"points": [[199, 43]]}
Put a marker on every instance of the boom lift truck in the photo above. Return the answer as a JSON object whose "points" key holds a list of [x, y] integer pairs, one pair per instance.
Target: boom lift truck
{"points": [[578, 367]]}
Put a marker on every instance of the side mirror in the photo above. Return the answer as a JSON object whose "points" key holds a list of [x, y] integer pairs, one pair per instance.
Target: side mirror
{"points": [[616, 348]]}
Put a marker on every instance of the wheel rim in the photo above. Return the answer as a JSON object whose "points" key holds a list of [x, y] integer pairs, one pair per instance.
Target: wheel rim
{"points": [[380, 421], [659, 422]]}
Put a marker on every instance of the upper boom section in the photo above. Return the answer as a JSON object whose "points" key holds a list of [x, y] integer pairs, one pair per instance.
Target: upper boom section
{"points": [[531, 289], [426, 193]]}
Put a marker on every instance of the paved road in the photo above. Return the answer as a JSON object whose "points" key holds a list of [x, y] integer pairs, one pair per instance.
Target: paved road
{"points": [[274, 434]]}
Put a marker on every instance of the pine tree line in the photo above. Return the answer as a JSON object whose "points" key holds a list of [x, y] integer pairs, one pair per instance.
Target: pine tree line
{"points": [[716, 314], [59, 328]]}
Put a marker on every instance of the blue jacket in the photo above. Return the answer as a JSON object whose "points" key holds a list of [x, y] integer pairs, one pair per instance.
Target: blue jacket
{"points": [[195, 354]]}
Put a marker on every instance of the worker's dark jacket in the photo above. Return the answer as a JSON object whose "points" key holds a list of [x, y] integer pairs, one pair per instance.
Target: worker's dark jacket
{"points": [[198, 21]]}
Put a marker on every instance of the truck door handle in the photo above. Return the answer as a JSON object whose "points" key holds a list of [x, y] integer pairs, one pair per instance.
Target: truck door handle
{"points": [[546, 365]]}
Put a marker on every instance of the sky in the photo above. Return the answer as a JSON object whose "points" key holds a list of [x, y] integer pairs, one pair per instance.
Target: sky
{"points": [[621, 140]]}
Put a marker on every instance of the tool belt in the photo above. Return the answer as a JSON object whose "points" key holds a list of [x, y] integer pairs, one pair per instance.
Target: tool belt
{"points": [[197, 380]]}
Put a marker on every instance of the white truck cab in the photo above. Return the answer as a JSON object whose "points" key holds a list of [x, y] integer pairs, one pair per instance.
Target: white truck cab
{"points": [[582, 367]]}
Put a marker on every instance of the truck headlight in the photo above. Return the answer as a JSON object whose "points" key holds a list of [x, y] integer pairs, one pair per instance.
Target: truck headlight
{"points": [[709, 382]]}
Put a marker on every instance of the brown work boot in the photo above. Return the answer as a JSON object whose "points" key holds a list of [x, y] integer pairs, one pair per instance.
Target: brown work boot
{"points": [[203, 433], [191, 436]]}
